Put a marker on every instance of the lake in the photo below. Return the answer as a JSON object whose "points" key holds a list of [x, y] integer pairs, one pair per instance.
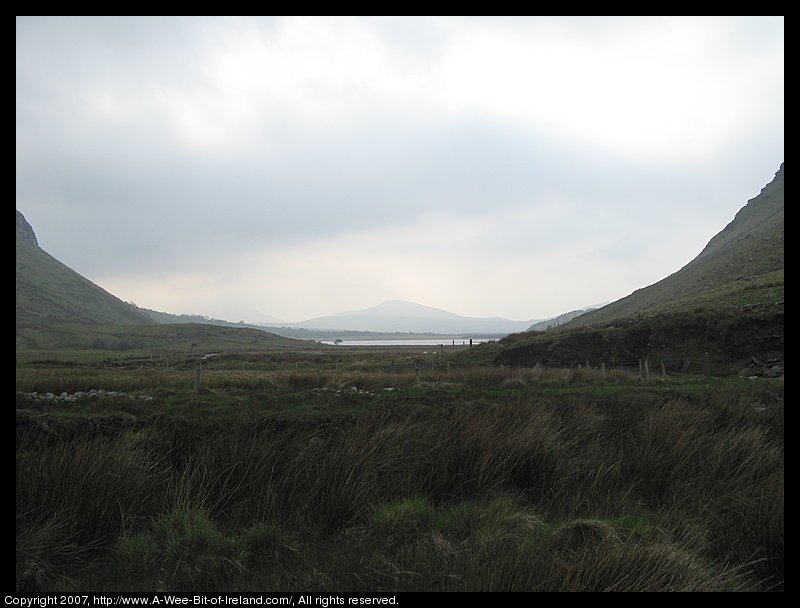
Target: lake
{"points": [[420, 342]]}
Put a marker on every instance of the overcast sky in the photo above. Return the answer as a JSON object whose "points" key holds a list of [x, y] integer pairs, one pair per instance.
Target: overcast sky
{"points": [[291, 167]]}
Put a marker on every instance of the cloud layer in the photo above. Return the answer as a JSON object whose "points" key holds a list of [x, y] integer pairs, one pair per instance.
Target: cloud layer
{"points": [[299, 166]]}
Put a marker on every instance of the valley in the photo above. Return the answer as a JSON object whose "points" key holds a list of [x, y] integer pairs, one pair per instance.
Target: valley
{"points": [[637, 447]]}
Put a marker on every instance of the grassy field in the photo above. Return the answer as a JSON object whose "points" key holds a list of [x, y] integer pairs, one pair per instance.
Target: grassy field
{"points": [[391, 470]]}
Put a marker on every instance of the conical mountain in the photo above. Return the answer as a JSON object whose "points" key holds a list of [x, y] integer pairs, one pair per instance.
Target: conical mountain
{"points": [[402, 316]]}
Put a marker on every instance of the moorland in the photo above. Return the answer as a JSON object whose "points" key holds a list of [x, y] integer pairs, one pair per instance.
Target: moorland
{"points": [[347, 469]]}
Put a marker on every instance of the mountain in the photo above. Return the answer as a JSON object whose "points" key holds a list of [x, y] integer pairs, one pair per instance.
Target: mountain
{"points": [[721, 312], [49, 291], [402, 316], [746, 251], [57, 308]]}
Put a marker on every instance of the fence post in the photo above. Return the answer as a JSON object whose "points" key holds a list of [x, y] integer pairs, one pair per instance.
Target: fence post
{"points": [[663, 370], [197, 371]]}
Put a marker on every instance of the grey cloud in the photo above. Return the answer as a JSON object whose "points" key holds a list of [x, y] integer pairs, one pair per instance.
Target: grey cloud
{"points": [[98, 187]]}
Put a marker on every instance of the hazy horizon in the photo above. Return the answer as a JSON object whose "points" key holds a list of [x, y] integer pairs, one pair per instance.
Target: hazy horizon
{"points": [[249, 168], [377, 309]]}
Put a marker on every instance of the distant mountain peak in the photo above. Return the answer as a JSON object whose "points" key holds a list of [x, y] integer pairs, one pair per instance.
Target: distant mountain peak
{"points": [[404, 308], [403, 316]]}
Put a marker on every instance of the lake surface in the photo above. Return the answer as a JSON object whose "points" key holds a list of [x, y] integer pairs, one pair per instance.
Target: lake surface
{"points": [[421, 342]]}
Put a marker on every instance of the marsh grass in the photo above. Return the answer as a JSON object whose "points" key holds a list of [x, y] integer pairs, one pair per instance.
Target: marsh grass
{"points": [[476, 479], [57, 377]]}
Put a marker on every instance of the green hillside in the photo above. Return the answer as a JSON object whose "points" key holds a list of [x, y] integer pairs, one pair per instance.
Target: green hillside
{"points": [[179, 337], [57, 308], [721, 313], [48, 291], [746, 256]]}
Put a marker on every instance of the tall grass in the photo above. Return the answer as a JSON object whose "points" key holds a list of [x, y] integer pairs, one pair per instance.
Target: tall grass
{"points": [[60, 378], [635, 492]]}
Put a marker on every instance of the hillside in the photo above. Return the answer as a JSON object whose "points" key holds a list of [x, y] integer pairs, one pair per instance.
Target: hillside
{"points": [[57, 308], [748, 249], [189, 338], [48, 291], [558, 320], [721, 313]]}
